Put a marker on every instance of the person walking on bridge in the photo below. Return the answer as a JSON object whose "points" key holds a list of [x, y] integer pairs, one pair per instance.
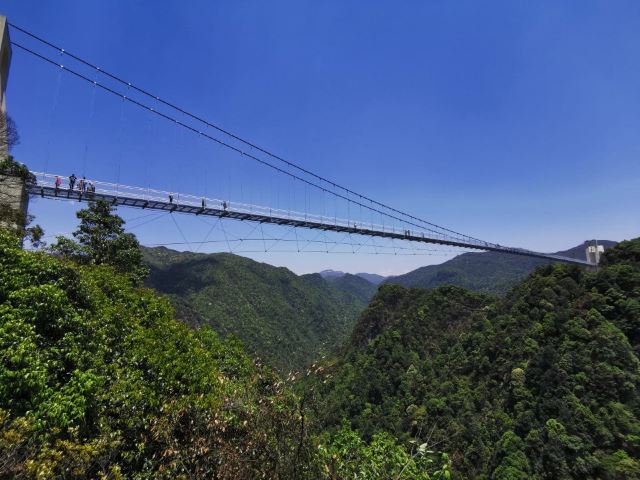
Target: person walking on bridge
{"points": [[72, 181], [57, 182]]}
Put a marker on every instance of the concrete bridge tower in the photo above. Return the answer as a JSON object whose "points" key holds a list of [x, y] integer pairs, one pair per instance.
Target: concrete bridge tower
{"points": [[594, 252], [5, 61]]}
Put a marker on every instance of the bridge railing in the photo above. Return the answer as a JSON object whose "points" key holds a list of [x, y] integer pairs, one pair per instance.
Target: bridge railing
{"points": [[304, 219], [150, 194]]}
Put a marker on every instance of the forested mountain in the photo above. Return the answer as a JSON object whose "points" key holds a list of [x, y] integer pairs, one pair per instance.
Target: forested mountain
{"points": [[287, 320], [355, 285], [331, 273], [290, 320], [488, 272], [543, 383], [370, 277]]}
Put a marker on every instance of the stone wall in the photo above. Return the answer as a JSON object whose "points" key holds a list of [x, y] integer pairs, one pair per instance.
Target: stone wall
{"points": [[14, 202]]}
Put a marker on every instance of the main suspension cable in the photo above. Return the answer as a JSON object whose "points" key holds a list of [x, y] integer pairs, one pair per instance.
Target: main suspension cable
{"points": [[236, 137], [233, 148]]}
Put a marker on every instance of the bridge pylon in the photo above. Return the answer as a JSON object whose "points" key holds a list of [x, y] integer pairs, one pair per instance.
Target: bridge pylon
{"points": [[5, 63], [594, 252]]}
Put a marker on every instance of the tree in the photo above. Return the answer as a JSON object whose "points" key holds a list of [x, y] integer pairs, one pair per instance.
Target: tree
{"points": [[346, 455], [9, 136], [101, 240], [33, 233], [514, 464]]}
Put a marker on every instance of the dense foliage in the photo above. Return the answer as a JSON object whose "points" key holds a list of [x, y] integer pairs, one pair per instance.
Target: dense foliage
{"points": [[287, 320], [97, 379], [10, 166], [361, 289], [487, 272], [541, 384], [347, 456]]}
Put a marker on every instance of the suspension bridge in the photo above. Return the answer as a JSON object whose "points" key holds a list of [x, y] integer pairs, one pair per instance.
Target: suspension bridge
{"points": [[146, 198], [394, 224]]}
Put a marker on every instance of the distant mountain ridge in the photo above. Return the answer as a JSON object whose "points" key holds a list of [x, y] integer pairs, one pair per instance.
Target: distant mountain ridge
{"points": [[488, 272], [373, 278], [331, 273]]}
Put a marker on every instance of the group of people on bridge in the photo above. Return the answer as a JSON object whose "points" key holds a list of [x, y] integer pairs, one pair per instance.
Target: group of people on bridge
{"points": [[86, 186], [83, 185]]}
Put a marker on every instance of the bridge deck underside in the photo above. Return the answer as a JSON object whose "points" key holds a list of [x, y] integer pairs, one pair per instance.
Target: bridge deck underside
{"points": [[60, 193]]}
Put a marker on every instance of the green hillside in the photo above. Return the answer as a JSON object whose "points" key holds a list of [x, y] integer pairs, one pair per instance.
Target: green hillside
{"points": [[363, 290], [287, 320], [488, 272], [369, 277], [98, 381], [541, 384]]}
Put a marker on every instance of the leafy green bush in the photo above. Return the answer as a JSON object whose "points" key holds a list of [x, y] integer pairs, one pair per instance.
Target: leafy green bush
{"points": [[347, 455], [9, 166]]}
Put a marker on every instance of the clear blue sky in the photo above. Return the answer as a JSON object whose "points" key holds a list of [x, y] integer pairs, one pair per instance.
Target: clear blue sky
{"points": [[516, 122]]}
